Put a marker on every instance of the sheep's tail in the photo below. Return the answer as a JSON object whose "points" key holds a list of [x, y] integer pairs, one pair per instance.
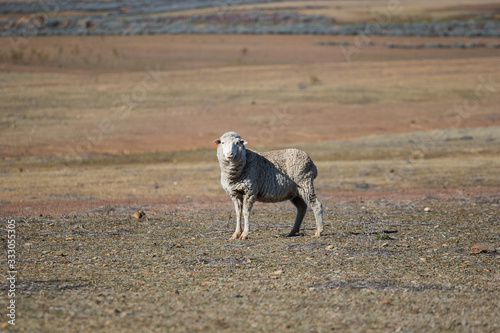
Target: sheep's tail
{"points": [[314, 170]]}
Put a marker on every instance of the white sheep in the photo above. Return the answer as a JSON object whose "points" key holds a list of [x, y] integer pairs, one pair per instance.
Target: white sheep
{"points": [[275, 176]]}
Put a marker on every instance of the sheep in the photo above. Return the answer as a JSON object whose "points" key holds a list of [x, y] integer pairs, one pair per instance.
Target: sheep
{"points": [[275, 176]]}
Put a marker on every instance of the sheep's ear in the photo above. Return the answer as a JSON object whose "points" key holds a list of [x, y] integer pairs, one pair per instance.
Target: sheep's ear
{"points": [[243, 141], [217, 142]]}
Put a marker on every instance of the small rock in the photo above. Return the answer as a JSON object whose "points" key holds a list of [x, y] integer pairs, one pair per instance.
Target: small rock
{"points": [[423, 259], [482, 247], [139, 215], [386, 300], [427, 209], [276, 274], [330, 247], [385, 244]]}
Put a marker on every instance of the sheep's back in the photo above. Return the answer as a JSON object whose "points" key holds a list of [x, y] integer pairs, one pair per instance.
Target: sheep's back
{"points": [[294, 162]]}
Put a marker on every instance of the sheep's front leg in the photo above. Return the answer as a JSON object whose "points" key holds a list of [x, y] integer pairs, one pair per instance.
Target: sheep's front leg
{"points": [[247, 208], [238, 205]]}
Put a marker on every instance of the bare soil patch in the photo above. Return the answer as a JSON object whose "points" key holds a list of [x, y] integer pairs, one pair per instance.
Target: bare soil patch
{"points": [[90, 95]]}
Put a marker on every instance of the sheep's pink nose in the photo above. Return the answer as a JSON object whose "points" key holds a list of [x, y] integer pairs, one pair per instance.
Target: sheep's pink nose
{"points": [[229, 155]]}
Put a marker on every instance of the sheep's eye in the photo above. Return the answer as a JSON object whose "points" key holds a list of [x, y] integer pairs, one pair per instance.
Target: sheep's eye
{"points": [[221, 142]]}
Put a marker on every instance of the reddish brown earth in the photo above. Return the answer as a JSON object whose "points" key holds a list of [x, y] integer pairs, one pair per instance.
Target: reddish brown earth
{"points": [[281, 90], [204, 203], [147, 94]]}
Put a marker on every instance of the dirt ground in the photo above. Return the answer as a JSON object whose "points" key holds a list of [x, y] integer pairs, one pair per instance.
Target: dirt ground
{"points": [[382, 265], [401, 215], [407, 144], [137, 94]]}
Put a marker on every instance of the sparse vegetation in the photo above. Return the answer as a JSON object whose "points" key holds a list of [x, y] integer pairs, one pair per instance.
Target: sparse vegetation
{"points": [[262, 22], [314, 80], [16, 54], [130, 275], [382, 236], [42, 56]]}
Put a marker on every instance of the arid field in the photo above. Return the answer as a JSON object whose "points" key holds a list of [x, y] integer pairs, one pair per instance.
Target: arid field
{"points": [[406, 140]]}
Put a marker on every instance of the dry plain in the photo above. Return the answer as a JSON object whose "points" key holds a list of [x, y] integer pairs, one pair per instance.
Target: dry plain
{"points": [[95, 128]]}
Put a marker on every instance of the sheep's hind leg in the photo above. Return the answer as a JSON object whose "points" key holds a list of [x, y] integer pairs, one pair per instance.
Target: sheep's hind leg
{"points": [[301, 212], [238, 204], [309, 196], [247, 208], [317, 208]]}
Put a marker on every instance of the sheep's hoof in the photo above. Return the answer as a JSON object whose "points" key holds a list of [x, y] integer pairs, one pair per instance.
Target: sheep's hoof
{"points": [[244, 235], [318, 233], [236, 235]]}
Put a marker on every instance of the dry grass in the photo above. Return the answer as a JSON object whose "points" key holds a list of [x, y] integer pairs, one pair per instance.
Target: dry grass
{"points": [[105, 271]]}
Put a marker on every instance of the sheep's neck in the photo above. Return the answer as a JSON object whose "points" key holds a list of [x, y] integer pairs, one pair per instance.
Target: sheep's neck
{"points": [[234, 168]]}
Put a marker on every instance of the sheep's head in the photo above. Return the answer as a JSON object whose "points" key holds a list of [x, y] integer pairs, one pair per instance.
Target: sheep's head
{"points": [[230, 146]]}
